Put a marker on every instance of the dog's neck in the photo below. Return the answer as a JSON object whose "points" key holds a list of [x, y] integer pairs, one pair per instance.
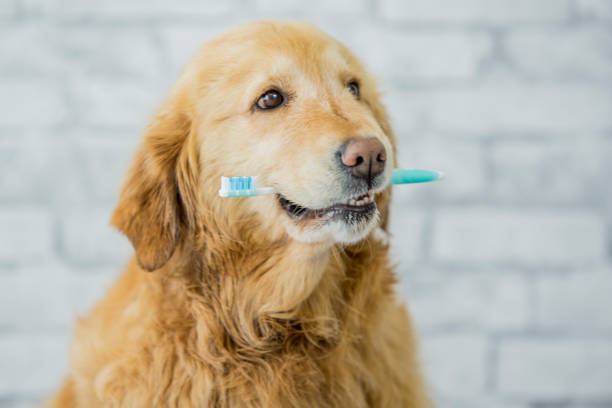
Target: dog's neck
{"points": [[272, 296]]}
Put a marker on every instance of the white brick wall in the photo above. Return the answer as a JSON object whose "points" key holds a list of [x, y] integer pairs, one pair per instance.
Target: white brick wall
{"points": [[567, 171], [456, 365], [461, 160], [8, 8], [42, 58], [506, 265], [31, 363], [595, 9], [62, 293], [87, 239], [19, 98], [555, 368], [492, 301], [535, 237], [114, 102], [26, 235], [410, 227], [292, 7], [575, 302], [405, 56], [562, 53], [500, 12], [507, 106], [141, 9], [179, 42], [88, 50]]}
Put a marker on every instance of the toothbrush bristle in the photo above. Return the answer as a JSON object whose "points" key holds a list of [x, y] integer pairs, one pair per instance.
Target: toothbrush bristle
{"points": [[238, 186], [240, 183]]}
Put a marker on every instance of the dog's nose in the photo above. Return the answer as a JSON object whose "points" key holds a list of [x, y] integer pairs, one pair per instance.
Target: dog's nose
{"points": [[364, 157]]}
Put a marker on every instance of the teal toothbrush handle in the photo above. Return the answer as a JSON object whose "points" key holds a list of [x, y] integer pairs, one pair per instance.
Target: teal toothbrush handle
{"points": [[401, 176]]}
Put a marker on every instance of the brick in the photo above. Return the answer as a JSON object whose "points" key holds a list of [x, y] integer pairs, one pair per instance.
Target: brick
{"points": [[179, 43], [115, 103], [87, 286], [26, 235], [33, 364], [61, 294], [115, 52], [8, 8], [17, 402], [85, 168], [454, 364], [481, 401], [87, 238], [31, 103], [597, 9], [406, 235], [317, 7], [407, 113], [462, 162], [532, 237], [553, 369], [476, 11], [41, 58], [32, 9], [406, 56], [579, 52], [417, 56], [38, 166], [576, 302], [489, 301], [141, 9], [103, 164], [49, 308], [585, 404], [564, 171], [504, 107]]}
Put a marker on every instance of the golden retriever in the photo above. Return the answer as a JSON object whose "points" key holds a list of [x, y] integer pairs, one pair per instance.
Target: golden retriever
{"points": [[282, 300]]}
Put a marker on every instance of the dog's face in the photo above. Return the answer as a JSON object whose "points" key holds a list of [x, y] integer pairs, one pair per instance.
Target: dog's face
{"points": [[292, 106], [281, 101]]}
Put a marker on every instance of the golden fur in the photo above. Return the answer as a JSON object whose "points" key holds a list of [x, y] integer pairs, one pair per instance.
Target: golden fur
{"points": [[246, 308]]}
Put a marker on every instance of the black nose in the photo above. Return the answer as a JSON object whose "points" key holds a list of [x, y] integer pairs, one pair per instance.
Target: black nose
{"points": [[364, 158]]}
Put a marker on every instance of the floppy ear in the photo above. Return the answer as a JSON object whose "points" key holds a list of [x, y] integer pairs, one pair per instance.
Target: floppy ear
{"points": [[156, 204]]}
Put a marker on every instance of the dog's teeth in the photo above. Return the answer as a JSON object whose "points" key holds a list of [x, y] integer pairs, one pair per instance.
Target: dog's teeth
{"points": [[361, 200]]}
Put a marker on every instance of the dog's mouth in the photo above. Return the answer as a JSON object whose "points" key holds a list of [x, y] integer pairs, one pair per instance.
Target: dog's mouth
{"points": [[353, 210]]}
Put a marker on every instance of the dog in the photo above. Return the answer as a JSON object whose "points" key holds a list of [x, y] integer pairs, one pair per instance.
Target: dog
{"points": [[283, 300]]}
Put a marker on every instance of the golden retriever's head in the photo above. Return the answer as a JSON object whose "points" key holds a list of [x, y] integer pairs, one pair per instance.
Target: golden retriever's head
{"points": [[281, 101]]}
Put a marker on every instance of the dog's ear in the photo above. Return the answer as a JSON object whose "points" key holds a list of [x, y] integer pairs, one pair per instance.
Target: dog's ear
{"points": [[156, 204]]}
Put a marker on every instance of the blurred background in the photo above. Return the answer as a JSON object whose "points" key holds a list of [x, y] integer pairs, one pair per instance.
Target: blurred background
{"points": [[506, 265]]}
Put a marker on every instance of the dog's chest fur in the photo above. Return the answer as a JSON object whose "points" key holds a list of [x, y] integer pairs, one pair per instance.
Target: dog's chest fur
{"points": [[198, 339]]}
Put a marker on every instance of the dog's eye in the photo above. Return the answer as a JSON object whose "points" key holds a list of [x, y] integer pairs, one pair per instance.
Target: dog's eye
{"points": [[353, 86], [270, 100]]}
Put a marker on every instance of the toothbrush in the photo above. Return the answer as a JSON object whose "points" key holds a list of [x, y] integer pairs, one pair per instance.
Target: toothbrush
{"points": [[247, 186]]}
